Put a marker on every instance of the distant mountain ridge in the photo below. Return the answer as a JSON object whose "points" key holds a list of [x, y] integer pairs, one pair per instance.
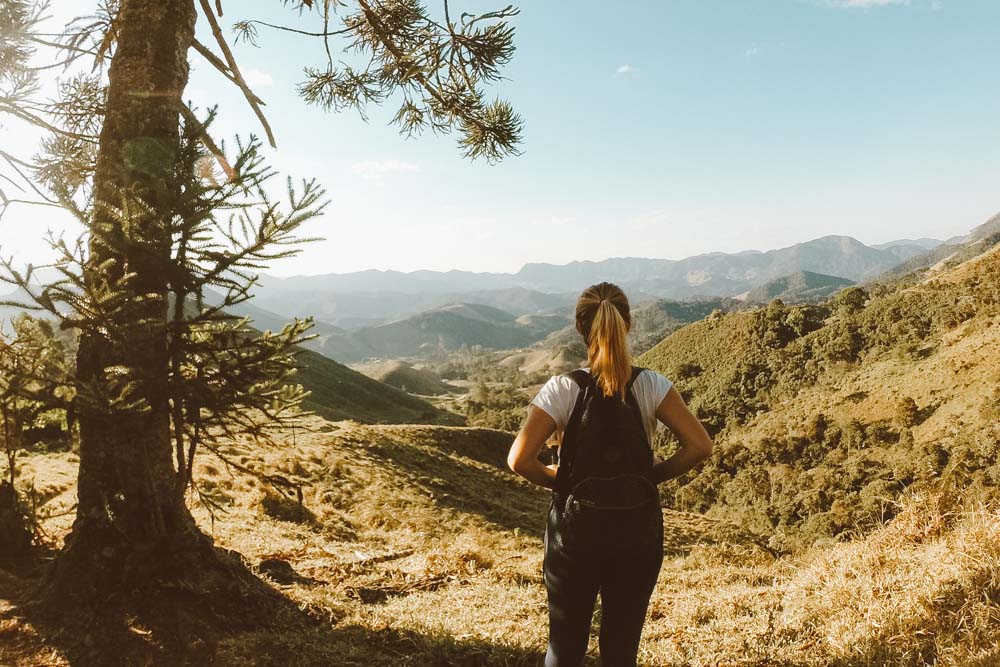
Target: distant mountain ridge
{"points": [[925, 243], [952, 251], [369, 298]]}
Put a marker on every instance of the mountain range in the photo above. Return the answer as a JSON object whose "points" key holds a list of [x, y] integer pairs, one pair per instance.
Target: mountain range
{"points": [[371, 315], [367, 298]]}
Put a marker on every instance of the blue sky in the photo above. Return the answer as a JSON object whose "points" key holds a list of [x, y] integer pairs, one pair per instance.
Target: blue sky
{"points": [[653, 129]]}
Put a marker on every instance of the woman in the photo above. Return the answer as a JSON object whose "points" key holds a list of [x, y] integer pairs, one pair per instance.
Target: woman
{"points": [[604, 529]]}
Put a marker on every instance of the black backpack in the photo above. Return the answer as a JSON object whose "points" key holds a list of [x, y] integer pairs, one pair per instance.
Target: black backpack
{"points": [[604, 493]]}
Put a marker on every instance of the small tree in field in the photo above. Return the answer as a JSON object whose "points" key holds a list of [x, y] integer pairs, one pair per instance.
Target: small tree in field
{"points": [[35, 379], [34, 384]]}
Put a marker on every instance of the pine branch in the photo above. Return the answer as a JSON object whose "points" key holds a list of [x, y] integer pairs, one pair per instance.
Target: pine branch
{"points": [[235, 70], [215, 62]]}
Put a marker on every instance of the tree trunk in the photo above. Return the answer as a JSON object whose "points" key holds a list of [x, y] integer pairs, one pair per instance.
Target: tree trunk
{"points": [[129, 504]]}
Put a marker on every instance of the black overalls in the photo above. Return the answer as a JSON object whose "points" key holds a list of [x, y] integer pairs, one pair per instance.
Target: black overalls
{"points": [[616, 552]]}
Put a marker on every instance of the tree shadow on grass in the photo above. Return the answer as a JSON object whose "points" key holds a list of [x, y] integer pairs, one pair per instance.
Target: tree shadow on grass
{"points": [[466, 470], [468, 476], [467, 483], [248, 623]]}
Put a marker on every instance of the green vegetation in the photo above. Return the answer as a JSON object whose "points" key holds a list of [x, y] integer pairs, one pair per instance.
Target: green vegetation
{"points": [[654, 321], [35, 393], [823, 413], [497, 392], [802, 286], [35, 388], [438, 330]]}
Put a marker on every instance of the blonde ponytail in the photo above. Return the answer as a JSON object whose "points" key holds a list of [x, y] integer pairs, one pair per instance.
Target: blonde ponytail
{"points": [[603, 318]]}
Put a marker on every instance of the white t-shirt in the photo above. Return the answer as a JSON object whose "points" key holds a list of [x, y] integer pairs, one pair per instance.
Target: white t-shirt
{"points": [[558, 396]]}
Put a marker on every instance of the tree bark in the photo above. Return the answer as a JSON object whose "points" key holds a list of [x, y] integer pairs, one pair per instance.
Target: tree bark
{"points": [[129, 503]]}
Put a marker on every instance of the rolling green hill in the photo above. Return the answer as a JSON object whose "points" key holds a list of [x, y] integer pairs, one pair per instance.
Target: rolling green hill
{"points": [[798, 288], [548, 360], [440, 329], [654, 320], [339, 392], [825, 415], [404, 376]]}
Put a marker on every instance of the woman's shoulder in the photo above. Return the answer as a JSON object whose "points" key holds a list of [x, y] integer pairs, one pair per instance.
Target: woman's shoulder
{"points": [[559, 383], [655, 380]]}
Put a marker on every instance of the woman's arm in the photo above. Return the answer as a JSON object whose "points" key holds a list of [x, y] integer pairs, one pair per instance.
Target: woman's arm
{"points": [[523, 456], [696, 445]]}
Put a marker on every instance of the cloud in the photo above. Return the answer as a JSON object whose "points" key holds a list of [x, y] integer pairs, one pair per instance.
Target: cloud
{"points": [[373, 169], [626, 69], [761, 48], [560, 220], [258, 78], [865, 4]]}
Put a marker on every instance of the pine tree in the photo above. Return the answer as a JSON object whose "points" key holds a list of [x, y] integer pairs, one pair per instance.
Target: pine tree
{"points": [[161, 371]]}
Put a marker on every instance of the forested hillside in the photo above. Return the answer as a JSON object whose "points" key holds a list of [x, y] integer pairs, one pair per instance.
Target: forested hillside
{"points": [[798, 287], [826, 415]]}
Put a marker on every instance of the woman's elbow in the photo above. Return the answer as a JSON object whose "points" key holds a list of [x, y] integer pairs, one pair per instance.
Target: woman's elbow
{"points": [[514, 460], [699, 447]]}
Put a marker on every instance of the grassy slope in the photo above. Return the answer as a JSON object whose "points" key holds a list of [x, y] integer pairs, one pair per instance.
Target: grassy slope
{"points": [[417, 547], [961, 366], [403, 375], [339, 392]]}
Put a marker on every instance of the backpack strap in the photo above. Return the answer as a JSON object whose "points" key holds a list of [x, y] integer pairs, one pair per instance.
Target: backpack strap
{"points": [[580, 377], [583, 379], [636, 371]]}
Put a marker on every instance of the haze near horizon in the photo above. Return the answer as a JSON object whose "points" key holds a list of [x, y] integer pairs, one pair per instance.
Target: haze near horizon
{"points": [[703, 127]]}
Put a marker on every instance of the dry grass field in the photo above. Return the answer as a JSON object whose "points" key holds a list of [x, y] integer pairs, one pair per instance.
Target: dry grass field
{"points": [[415, 546]]}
